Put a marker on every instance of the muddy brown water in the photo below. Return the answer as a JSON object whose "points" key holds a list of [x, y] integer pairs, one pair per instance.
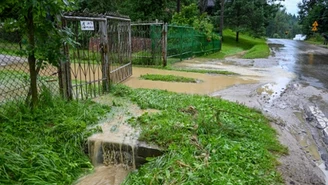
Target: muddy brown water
{"points": [[209, 83]]}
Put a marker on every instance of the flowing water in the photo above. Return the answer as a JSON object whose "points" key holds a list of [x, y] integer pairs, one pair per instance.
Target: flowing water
{"points": [[114, 151]]}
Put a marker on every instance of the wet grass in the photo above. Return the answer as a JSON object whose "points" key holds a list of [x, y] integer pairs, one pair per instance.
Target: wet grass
{"points": [[253, 47], [168, 78], [207, 140], [46, 146]]}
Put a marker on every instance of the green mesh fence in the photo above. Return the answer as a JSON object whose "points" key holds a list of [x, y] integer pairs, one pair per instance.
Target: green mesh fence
{"points": [[154, 42], [184, 42]]}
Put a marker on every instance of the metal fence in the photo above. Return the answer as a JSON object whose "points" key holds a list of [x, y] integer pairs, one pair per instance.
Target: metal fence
{"points": [[14, 69], [156, 43], [100, 55]]}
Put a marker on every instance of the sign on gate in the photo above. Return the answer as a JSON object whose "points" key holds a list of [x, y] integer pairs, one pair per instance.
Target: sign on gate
{"points": [[87, 25]]}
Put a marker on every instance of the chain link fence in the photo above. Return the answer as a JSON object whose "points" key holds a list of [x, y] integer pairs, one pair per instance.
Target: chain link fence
{"points": [[14, 68]]}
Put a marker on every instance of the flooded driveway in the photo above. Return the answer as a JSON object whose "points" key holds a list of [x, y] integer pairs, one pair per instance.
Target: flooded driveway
{"points": [[208, 84]]}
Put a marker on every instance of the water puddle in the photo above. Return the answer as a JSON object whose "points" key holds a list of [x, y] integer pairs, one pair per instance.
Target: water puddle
{"points": [[209, 84]]}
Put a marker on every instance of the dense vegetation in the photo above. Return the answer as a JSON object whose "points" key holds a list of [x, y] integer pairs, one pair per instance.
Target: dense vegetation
{"points": [[314, 10], [46, 145], [207, 140]]}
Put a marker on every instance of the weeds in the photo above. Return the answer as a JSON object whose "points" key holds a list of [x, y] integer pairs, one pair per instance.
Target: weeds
{"points": [[207, 141], [45, 146], [168, 78]]}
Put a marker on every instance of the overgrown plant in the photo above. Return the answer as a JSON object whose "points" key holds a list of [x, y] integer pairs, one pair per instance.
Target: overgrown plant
{"points": [[46, 145], [206, 141]]}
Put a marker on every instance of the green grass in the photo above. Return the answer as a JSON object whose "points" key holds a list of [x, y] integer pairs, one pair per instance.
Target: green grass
{"points": [[203, 71], [316, 39], [206, 140], [254, 47], [46, 146], [168, 78]]}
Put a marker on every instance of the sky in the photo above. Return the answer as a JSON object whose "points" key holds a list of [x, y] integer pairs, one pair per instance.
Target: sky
{"points": [[291, 6]]}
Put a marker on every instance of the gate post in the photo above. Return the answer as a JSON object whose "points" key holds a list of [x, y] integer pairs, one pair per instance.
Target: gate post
{"points": [[164, 46], [64, 71], [104, 55]]}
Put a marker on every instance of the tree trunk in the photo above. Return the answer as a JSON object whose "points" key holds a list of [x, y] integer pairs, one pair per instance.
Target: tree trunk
{"points": [[222, 19], [237, 36], [31, 57], [178, 5]]}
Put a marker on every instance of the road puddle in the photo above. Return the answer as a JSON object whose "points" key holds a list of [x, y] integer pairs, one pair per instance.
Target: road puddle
{"points": [[209, 84]]}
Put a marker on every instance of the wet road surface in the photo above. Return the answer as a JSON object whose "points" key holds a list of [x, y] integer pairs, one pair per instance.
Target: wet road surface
{"points": [[308, 62]]}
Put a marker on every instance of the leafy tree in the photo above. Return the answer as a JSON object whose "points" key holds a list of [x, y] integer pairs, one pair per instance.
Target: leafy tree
{"points": [[283, 25], [190, 16], [313, 10], [37, 20], [249, 16]]}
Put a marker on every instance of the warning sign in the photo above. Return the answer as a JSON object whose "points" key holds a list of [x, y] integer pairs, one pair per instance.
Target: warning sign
{"points": [[314, 26], [87, 25]]}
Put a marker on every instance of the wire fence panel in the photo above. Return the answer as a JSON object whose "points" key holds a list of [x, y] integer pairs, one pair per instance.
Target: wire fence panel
{"points": [[14, 68], [119, 42], [184, 42], [147, 43], [154, 43]]}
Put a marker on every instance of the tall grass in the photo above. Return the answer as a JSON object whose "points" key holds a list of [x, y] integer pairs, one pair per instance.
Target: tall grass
{"points": [[46, 146], [207, 140]]}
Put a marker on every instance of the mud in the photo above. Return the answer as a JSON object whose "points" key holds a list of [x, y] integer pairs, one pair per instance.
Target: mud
{"points": [[209, 83]]}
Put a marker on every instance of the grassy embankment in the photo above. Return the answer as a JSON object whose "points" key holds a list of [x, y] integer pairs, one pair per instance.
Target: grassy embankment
{"points": [[253, 47], [206, 140], [316, 39]]}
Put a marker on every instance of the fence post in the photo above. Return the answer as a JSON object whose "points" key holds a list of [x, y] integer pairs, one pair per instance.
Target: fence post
{"points": [[104, 55], [64, 71], [164, 46]]}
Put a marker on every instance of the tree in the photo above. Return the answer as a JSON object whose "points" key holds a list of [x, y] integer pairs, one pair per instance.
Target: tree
{"points": [[249, 16], [37, 20], [313, 10]]}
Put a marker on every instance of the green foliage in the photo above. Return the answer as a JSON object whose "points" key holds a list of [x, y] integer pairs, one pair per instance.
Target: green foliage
{"points": [[168, 78], [142, 58], [46, 145], [249, 16], [189, 16], [283, 23], [310, 11], [207, 140]]}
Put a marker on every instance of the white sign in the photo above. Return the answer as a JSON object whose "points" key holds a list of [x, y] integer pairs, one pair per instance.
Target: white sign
{"points": [[87, 25]]}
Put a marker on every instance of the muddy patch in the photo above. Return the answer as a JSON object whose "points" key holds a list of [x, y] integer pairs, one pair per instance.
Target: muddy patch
{"points": [[209, 84]]}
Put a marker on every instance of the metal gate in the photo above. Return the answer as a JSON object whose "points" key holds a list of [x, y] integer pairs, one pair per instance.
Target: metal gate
{"points": [[99, 54]]}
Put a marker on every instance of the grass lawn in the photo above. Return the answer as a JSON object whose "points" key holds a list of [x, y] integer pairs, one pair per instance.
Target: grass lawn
{"points": [[254, 47], [206, 140]]}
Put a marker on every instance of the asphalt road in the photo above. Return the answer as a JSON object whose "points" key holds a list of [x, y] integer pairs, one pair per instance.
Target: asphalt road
{"points": [[308, 62]]}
